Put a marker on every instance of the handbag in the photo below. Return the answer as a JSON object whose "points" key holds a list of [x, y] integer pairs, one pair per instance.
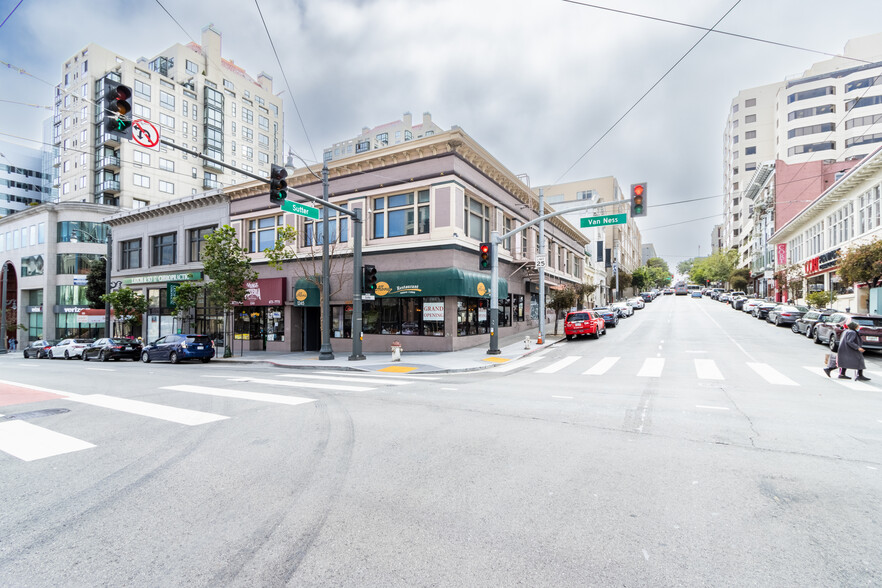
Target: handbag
{"points": [[830, 360]]}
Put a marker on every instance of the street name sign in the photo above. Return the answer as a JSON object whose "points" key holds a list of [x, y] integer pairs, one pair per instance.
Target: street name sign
{"points": [[605, 220], [301, 209]]}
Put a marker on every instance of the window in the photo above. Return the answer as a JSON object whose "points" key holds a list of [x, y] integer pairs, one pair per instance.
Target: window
{"points": [[248, 152], [812, 147], [750, 102], [262, 157], [192, 68], [802, 131], [142, 90], [864, 140], [167, 121], [863, 121], [869, 210], [166, 164], [141, 181], [131, 254], [864, 83], [166, 187], [749, 166], [809, 94], [197, 242], [750, 134], [477, 214], [139, 203], [750, 150], [262, 140], [229, 85], [247, 134], [262, 232], [807, 112], [166, 100], [141, 157], [141, 111], [263, 122], [165, 249], [247, 115], [383, 139], [338, 224]]}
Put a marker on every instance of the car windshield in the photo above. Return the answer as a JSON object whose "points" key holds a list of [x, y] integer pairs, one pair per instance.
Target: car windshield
{"points": [[579, 316], [82, 340], [198, 339], [119, 341], [868, 321]]}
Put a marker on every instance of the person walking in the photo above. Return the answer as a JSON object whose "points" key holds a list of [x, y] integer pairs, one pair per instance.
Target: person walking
{"points": [[851, 354]]}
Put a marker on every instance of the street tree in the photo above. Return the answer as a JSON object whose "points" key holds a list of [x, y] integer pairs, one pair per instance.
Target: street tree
{"points": [[228, 267], [583, 291], [96, 283], [861, 264], [788, 279], [128, 306], [739, 278], [642, 278], [561, 300], [187, 295]]}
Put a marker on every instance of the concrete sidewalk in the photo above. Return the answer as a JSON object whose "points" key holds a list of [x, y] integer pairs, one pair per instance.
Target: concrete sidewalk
{"points": [[472, 359]]}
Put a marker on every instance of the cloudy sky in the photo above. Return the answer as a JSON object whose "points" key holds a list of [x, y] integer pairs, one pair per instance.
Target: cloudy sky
{"points": [[536, 82]]}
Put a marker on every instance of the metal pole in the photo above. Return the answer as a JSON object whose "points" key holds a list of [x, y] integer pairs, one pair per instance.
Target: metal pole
{"points": [[326, 352], [494, 294], [108, 331], [616, 270], [542, 268], [3, 348], [356, 288]]}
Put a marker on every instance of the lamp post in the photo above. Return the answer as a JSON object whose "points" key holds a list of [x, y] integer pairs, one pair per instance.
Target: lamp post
{"points": [[3, 310]]}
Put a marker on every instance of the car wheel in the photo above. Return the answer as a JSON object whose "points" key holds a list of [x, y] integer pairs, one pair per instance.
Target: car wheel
{"points": [[145, 357], [173, 357], [66, 355], [817, 337], [26, 355], [85, 356], [808, 332], [101, 356], [596, 334], [205, 359], [794, 328], [569, 337], [777, 322], [832, 343]]}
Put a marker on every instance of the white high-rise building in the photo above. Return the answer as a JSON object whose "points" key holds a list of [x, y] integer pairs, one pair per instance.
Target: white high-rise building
{"points": [[23, 180], [196, 98]]}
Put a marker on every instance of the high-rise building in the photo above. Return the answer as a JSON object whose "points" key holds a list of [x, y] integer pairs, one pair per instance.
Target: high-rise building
{"points": [[23, 180], [391, 133], [192, 95]]}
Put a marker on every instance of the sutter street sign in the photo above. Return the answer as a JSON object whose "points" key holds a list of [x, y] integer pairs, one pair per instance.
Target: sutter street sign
{"points": [[301, 209]]}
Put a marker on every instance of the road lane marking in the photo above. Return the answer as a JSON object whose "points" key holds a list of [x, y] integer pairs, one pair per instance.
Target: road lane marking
{"points": [[559, 365], [601, 367], [711, 407], [311, 385], [770, 374], [563, 397], [706, 369], [101, 369], [29, 442], [181, 416], [240, 394], [513, 365], [850, 384], [354, 379], [404, 378], [652, 367]]}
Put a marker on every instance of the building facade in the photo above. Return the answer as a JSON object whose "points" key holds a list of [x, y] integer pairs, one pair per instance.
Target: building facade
{"points": [[23, 180], [647, 252], [192, 95], [380, 137]]}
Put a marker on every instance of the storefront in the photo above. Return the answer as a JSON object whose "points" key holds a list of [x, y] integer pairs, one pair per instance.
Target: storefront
{"points": [[260, 319]]}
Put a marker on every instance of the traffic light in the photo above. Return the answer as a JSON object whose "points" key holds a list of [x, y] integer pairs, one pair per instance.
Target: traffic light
{"points": [[638, 199], [484, 259], [118, 111], [278, 185], [370, 278]]}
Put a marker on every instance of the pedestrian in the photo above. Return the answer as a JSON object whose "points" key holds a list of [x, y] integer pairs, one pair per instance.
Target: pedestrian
{"points": [[851, 354], [14, 343]]}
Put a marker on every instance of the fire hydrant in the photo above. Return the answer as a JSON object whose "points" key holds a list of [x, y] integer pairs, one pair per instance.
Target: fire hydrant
{"points": [[396, 351], [527, 342]]}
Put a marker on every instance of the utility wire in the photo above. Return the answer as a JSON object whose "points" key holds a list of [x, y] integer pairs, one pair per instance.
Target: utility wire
{"points": [[719, 32], [682, 222], [645, 94], [10, 13]]}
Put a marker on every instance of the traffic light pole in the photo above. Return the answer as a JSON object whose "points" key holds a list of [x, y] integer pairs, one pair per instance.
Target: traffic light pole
{"points": [[356, 289]]}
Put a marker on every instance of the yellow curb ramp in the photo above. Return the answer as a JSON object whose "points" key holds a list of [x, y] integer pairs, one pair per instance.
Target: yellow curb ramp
{"points": [[496, 359], [399, 369]]}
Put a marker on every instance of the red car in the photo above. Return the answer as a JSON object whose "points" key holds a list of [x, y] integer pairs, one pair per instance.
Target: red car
{"points": [[870, 330], [584, 322]]}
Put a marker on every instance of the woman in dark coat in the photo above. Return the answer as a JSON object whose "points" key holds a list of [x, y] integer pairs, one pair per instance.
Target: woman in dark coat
{"points": [[851, 354]]}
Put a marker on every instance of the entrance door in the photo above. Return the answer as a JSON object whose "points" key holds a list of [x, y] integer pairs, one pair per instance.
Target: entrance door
{"points": [[312, 329]]}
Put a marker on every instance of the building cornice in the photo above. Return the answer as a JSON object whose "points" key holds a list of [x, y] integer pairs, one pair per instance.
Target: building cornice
{"points": [[192, 202]]}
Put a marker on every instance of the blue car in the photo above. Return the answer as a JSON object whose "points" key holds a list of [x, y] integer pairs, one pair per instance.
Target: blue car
{"points": [[176, 348], [609, 315]]}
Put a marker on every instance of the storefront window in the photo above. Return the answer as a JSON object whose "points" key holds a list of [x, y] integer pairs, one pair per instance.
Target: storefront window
{"points": [[401, 316], [259, 323], [472, 316]]}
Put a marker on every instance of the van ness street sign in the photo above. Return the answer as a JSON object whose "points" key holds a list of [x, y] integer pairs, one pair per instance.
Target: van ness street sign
{"points": [[602, 221]]}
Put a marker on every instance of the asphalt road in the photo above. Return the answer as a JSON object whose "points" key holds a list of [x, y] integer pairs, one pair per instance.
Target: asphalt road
{"points": [[690, 446]]}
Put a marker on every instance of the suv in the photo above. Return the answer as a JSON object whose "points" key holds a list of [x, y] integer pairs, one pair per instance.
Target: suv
{"points": [[583, 322], [175, 348], [869, 329]]}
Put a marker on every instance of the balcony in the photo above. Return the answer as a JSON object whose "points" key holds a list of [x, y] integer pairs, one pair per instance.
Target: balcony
{"points": [[107, 139], [56, 161], [109, 162], [107, 199], [210, 184], [108, 186], [212, 166]]}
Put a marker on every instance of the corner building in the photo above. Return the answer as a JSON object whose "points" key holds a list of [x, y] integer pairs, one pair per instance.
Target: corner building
{"points": [[427, 204]]}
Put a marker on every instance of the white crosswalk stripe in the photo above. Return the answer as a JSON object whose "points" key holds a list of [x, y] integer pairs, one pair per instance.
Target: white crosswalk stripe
{"points": [[850, 384], [706, 369], [601, 367], [559, 365], [181, 416], [240, 394], [28, 442], [770, 374], [513, 365], [652, 367], [351, 379]]}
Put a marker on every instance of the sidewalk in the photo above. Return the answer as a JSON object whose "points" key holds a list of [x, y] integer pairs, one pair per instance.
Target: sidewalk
{"points": [[472, 359]]}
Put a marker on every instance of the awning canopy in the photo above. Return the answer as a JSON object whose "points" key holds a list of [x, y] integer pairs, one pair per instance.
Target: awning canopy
{"points": [[445, 281], [307, 294]]}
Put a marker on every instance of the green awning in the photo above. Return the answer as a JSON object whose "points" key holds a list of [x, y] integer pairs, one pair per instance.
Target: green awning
{"points": [[446, 281], [307, 294]]}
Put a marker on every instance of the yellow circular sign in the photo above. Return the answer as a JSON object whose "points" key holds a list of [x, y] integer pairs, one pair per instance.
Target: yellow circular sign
{"points": [[482, 289], [381, 289], [300, 295]]}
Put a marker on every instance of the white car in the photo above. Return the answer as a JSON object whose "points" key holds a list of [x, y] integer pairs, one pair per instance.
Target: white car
{"points": [[750, 304], [636, 303], [69, 348], [624, 309]]}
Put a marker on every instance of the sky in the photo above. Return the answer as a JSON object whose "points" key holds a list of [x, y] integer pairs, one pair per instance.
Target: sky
{"points": [[536, 82]]}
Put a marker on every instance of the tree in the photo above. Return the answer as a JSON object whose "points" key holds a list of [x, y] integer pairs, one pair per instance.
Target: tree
{"points": [[642, 277], [739, 278], [228, 267], [96, 283], [625, 281], [186, 297], [583, 291], [862, 264], [128, 306], [685, 267], [821, 299], [659, 263], [563, 299], [789, 279]]}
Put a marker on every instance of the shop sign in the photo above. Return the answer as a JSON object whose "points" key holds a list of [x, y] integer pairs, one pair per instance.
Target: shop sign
{"points": [[300, 295], [828, 260], [781, 251], [179, 277], [811, 266], [80, 281], [61, 309], [482, 289], [433, 311], [33, 309], [264, 292], [91, 316], [382, 288]]}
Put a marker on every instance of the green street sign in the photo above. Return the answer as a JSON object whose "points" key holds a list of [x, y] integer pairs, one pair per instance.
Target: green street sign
{"points": [[605, 220], [301, 209]]}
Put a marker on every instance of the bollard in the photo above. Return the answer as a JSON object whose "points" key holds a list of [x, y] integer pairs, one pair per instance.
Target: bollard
{"points": [[396, 351]]}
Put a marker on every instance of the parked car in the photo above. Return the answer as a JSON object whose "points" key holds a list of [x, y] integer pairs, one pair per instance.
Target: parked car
{"points": [[647, 296], [750, 304], [68, 348], [695, 294], [177, 348], [735, 295], [786, 314], [624, 309], [805, 325], [723, 297], [681, 290], [636, 303], [38, 349], [761, 310], [609, 315], [737, 302], [870, 329], [115, 349], [715, 293], [668, 291], [583, 322]]}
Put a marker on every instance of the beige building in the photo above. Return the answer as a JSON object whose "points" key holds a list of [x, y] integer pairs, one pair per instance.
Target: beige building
{"points": [[194, 96], [620, 244], [382, 136]]}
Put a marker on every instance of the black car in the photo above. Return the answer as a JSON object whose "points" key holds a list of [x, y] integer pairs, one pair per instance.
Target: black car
{"points": [[115, 349], [38, 349], [609, 315], [805, 325]]}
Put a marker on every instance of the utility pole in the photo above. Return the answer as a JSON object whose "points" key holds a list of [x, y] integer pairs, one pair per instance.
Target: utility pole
{"points": [[326, 352], [542, 266], [3, 348], [356, 289], [108, 331]]}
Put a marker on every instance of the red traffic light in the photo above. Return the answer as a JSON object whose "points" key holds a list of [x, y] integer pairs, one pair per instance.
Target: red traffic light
{"points": [[638, 190], [485, 248]]}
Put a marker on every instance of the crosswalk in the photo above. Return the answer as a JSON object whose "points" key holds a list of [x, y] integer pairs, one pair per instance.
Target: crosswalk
{"points": [[701, 369], [27, 441]]}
